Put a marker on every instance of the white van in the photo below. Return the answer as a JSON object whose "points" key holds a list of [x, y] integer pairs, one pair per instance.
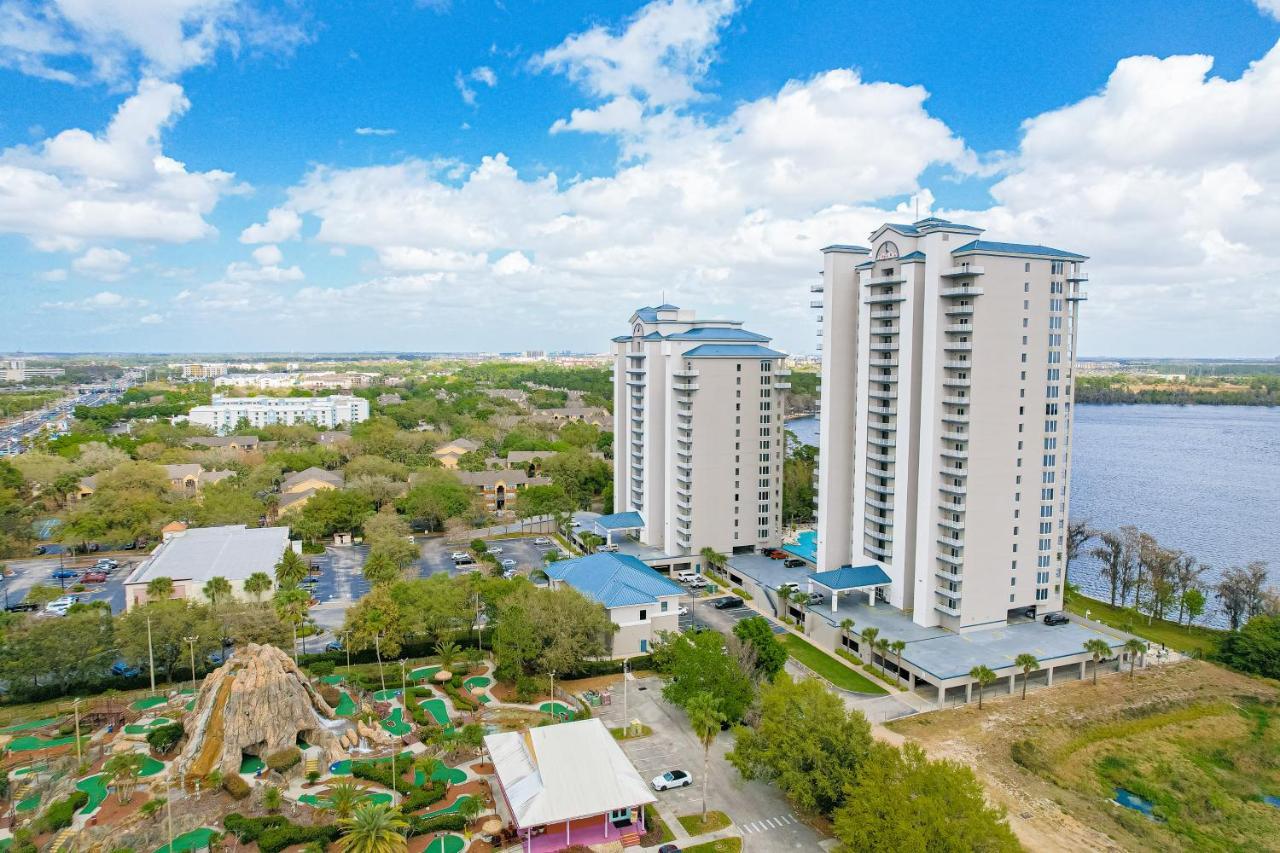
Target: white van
{"points": [[685, 576], [698, 582]]}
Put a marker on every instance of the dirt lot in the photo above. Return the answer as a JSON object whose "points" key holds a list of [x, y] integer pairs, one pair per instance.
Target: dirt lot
{"points": [[1200, 742]]}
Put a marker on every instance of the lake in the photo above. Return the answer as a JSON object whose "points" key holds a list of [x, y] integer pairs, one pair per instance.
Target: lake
{"points": [[1202, 479]]}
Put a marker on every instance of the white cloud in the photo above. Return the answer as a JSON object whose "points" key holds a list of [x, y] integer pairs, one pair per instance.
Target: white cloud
{"points": [[151, 319], [119, 41], [375, 131], [54, 275], [281, 225], [268, 255], [103, 264], [104, 301], [241, 272], [462, 82], [512, 263], [1271, 8], [80, 186]]}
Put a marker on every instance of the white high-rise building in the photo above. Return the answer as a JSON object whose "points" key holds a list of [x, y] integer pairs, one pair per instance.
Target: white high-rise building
{"points": [[945, 427], [698, 437], [223, 413]]}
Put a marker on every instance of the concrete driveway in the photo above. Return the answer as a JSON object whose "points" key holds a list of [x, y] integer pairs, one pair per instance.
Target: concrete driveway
{"points": [[760, 813]]}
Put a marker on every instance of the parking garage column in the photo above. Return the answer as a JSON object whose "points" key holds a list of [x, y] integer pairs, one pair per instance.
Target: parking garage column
{"points": [[1049, 669], [968, 692]]}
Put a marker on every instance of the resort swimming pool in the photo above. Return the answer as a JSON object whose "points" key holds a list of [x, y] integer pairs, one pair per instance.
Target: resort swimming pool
{"points": [[805, 547]]}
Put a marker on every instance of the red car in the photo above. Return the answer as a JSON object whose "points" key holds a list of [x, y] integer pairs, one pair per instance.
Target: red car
{"points": [[94, 577], [778, 555]]}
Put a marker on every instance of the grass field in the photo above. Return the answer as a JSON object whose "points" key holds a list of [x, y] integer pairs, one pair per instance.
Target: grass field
{"points": [[1195, 641], [1199, 742], [829, 668], [695, 825]]}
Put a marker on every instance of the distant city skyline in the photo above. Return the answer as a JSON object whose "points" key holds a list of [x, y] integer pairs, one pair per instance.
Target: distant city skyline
{"points": [[477, 176]]}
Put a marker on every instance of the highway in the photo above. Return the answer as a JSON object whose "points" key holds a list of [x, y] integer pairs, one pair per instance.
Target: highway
{"points": [[15, 434]]}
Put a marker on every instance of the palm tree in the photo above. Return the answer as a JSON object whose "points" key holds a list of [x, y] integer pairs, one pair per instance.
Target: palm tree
{"points": [[380, 569], [123, 769], [257, 584], [868, 638], [984, 677], [217, 588], [343, 799], [1026, 662], [882, 649], [846, 625], [272, 799], [469, 809], [1134, 647], [448, 654], [712, 557], [291, 607], [160, 589], [898, 646], [373, 828], [1099, 649], [290, 571], [705, 718]]}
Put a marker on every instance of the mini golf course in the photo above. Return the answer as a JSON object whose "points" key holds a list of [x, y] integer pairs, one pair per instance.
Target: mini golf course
{"points": [[30, 804], [149, 703], [96, 787], [346, 706], [332, 679], [251, 764], [26, 727], [479, 686], [441, 773], [27, 743], [446, 844], [386, 695], [423, 672], [396, 724], [343, 767], [150, 767], [318, 800], [143, 728], [437, 709], [556, 709], [457, 804], [196, 839]]}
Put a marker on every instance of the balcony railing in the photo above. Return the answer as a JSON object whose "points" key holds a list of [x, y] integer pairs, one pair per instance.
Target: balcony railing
{"points": [[892, 346], [953, 453], [885, 553], [882, 442], [884, 280], [1077, 296], [888, 458], [885, 314], [961, 364], [953, 489], [958, 346], [884, 298], [960, 271], [957, 401], [958, 310], [957, 328], [950, 611], [954, 561], [815, 303], [815, 288], [1078, 276], [957, 382], [955, 436]]}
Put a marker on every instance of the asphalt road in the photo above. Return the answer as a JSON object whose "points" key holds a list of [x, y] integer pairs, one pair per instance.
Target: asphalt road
{"points": [[27, 573]]}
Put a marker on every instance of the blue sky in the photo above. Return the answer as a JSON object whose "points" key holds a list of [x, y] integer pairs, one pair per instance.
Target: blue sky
{"points": [[207, 176]]}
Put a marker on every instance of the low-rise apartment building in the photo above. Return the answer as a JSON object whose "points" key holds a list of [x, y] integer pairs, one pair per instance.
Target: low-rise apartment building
{"points": [[223, 414], [641, 602]]}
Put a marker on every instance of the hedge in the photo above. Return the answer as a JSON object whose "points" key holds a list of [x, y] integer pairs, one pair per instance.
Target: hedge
{"points": [[59, 814], [235, 785], [415, 797], [274, 833], [163, 738], [441, 823], [284, 759]]}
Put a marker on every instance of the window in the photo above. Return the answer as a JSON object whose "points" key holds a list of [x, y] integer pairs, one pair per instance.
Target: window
{"points": [[1026, 267], [662, 606], [644, 646], [644, 614]]}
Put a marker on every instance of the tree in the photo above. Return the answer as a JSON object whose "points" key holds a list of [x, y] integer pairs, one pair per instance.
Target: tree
{"points": [[272, 799], [380, 569], [378, 489], [705, 720], [376, 622], [1111, 554], [698, 663], [342, 799], [1192, 602], [846, 625], [257, 584], [900, 800], [1254, 649], [216, 589], [62, 652], [124, 769], [806, 743], [290, 603], [448, 655], [543, 500], [1134, 647], [897, 647], [390, 534], [291, 570], [337, 511], [770, 655], [1187, 573], [1099, 649], [545, 630], [985, 678], [868, 644], [1026, 662], [373, 828], [160, 589], [581, 475], [1241, 592], [1078, 533], [712, 558], [171, 622], [882, 649], [435, 497]]}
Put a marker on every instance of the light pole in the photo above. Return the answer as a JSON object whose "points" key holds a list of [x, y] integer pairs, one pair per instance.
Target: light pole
{"points": [[346, 644], [626, 716], [191, 641], [151, 658], [553, 692], [75, 707], [377, 650]]}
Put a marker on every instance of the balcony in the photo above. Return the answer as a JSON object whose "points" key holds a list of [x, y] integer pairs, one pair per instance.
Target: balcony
{"points": [[882, 410], [885, 298], [948, 576], [782, 386], [958, 310], [1077, 296], [955, 436], [951, 542], [954, 472], [636, 383], [885, 314], [950, 560], [815, 303], [953, 453], [884, 280], [879, 504], [951, 525], [683, 493], [957, 401], [881, 490], [892, 346], [875, 518], [958, 346], [684, 374], [884, 329], [638, 370], [884, 361], [782, 371], [684, 386], [961, 364], [957, 382], [883, 553], [962, 290], [877, 394], [957, 328], [882, 442], [1078, 276], [951, 507], [891, 379], [953, 489], [961, 271], [887, 458], [815, 288]]}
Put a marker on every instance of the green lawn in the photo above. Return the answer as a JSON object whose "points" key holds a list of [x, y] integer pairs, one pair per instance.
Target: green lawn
{"points": [[723, 845], [829, 668], [26, 727], [196, 839], [695, 825], [1192, 641]]}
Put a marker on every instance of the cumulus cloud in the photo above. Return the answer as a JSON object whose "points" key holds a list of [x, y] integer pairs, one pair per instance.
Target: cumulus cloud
{"points": [[103, 264], [81, 186], [1271, 8], [268, 255], [375, 131], [281, 225], [151, 319], [483, 75], [118, 42], [105, 300]]}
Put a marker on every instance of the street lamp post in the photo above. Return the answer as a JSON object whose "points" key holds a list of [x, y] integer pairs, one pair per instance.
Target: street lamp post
{"points": [[191, 641], [151, 658], [346, 644], [626, 716], [75, 707]]}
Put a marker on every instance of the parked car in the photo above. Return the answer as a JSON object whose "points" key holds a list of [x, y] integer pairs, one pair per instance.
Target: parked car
{"points": [[668, 848], [123, 670], [493, 549], [92, 576], [1056, 619], [64, 574], [794, 563], [459, 555], [698, 582], [106, 563], [508, 563], [509, 574], [789, 586], [61, 605], [465, 561], [22, 607], [685, 576], [815, 598], [682, 611], [333, 646], [728, 603], [671, 779], [775, 554], [542, 540], [606, 549]]}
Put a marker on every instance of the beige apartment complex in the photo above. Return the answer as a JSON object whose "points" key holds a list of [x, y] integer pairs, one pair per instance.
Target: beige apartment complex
{"points": [[698, 440], [945, 424]]}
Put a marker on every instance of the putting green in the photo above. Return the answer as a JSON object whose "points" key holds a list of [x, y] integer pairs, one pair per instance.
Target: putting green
{"points": [[478, 682], [196, 839], [143, 728], [386, 695], [332, 679], [450, 810], [317, 800], [484, 698], [190, 706], [34, 768], [29, 804], [446, 844], [343, 767], [149, 703], [437, 709], [396, 723], [150, 767], [557, 709], [423, 672], [346, 706], [96, 787], [251, 763], [26, 727], [5, 844], [444, 773], [27, 743]]}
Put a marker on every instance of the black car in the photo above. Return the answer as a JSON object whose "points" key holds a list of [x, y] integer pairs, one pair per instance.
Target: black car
{"points": [[1056, 619], [22, 607], [668, 848], [728, 603], [793, 563]]}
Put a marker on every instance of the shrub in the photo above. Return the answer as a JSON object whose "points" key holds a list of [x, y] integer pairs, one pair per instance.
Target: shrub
{"points": [[164, 738], [440, 823], [742, 593], [460, 699], [1028, 754], [321, 668], [526, 689], [275, 833], [330, 694], [59, 814], [284, 759], [235, 785]]}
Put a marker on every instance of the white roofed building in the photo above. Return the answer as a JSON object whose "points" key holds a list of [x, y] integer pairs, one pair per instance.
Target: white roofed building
{"points": [[190, 558]]}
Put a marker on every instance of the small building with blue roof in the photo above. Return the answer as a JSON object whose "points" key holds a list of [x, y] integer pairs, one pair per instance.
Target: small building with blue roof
{"points": [[640, 601]]}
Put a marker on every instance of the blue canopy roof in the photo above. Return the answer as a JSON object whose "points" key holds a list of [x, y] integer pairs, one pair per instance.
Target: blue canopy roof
{"points": [[717, 333], [620, 521], [979, 246], [851, 577], [733, 351], [614, 580]]}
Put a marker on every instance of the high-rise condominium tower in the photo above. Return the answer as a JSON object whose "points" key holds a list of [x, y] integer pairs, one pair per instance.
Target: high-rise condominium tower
{"points": [[945, 427], [698, 438]]}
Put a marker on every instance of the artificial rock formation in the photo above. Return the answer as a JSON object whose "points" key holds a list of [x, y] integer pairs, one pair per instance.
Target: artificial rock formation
{"points": [[258, 702]]}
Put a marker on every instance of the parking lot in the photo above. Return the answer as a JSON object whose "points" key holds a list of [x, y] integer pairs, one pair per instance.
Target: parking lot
{"points": [[759, 810], [39, 570]]}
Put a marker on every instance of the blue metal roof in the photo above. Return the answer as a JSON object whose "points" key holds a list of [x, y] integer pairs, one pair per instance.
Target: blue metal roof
{"points": [[733, 351], [932, 223], [912, 256], [668, 307], [614, 580], [908, 230], [647, 314], [851, 577], [720, 333], [979, 246], [841, 247], [620, 521], [865, 265]]}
